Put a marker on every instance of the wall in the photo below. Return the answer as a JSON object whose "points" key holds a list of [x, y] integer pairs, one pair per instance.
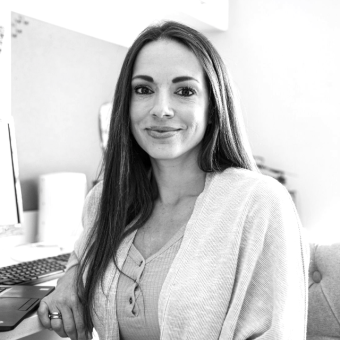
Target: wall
{"points": [[5, 62], [284, 57], [59, 80]]}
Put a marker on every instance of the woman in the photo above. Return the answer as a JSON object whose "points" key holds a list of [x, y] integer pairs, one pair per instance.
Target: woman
{"points": [[183, 238]]}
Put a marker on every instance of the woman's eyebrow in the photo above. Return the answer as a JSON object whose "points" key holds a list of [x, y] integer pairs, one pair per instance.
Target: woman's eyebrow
{"points": [[183, 78], [143, 77], [175, 80]]}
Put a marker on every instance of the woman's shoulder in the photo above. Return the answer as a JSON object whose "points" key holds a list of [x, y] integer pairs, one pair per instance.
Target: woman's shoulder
{"points": [[250, 184], [91, 203], [95, 193], [258, 197], [240, 176]]}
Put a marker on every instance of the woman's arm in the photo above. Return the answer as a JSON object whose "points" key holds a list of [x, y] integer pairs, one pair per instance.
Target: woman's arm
{"points": [[64, 299], [270, 293]]}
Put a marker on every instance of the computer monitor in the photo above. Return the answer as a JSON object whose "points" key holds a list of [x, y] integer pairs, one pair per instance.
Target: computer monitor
{"points": [[11, 212]]}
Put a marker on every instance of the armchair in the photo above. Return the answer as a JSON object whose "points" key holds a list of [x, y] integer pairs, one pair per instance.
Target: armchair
{"points": [[324, 292]]}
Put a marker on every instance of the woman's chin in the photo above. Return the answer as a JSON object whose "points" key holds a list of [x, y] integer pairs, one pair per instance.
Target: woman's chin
{"points": [[174, 155], [163, 156]]}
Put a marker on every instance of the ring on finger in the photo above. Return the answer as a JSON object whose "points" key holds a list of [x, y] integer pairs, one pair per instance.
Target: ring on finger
{"points": [[56, 315]]}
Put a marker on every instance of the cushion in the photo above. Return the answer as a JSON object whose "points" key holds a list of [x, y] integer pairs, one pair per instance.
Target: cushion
{"points": [[324, 292]]}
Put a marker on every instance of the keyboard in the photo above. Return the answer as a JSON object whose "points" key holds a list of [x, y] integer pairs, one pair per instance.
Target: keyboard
{"points": [[34, 272]]}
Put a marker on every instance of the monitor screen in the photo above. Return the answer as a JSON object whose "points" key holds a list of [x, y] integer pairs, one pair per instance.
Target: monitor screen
{"points": [[10, 193]]}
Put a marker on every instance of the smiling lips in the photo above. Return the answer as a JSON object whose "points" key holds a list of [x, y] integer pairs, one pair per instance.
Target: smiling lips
{"points": [[160, 132]]}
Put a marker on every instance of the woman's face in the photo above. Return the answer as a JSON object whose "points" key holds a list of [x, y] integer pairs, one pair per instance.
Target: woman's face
{"points": [[169, 101]]}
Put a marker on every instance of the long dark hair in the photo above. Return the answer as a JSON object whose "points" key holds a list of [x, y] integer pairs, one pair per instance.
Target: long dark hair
{"points": [[127, 193]]}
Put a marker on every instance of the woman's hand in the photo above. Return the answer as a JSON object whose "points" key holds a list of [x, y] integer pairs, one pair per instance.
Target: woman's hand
{"points": [[64, 300]]}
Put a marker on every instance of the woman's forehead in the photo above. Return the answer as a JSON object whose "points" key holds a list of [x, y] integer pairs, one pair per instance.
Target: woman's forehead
{"points": [[167, 56]]}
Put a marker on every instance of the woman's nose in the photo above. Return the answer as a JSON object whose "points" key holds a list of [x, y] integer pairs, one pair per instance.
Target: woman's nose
{"points": [[162, 107]]}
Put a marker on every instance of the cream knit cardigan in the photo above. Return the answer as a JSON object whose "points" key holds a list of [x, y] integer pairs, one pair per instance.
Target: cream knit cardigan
{"points": [[241, 270]]}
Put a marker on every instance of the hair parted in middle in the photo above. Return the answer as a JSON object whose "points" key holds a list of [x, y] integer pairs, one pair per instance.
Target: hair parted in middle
{"points": [[127, 191]]}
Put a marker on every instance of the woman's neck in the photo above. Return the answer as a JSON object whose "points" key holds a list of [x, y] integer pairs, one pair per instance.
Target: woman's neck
{"points": [[177, 181]]}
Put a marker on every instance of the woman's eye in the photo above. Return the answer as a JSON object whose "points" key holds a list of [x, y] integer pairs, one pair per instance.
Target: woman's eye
{"points": [[186, 91], [142, 90]]}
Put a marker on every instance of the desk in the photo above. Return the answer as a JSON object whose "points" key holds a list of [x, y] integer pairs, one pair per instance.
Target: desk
{"points": [[28, 326]]}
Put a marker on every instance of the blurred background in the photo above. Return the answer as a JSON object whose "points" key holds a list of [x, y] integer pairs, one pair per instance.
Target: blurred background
{"points": [[283, 57]]}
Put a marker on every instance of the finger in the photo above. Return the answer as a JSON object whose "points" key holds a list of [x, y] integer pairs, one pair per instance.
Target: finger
{"points": [[57, 324], [73, 322], [45, 308], [43, 313], [58, 327], [79, 322], [69, 325]]}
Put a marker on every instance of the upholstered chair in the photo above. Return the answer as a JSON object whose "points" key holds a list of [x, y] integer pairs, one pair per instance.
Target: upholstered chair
{"points": [[324, 292]]}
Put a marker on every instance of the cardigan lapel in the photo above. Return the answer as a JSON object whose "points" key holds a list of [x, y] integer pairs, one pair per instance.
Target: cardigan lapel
{"points": [[190, 231]]}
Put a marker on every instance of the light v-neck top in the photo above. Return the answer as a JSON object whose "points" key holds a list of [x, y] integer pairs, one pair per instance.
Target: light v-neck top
{"points": [[137, 295]]}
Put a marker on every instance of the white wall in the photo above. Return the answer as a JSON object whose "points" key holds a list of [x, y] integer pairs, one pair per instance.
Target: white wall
{"points": [[120, 21], [5, 63], [60, 79], [284, 57]]}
